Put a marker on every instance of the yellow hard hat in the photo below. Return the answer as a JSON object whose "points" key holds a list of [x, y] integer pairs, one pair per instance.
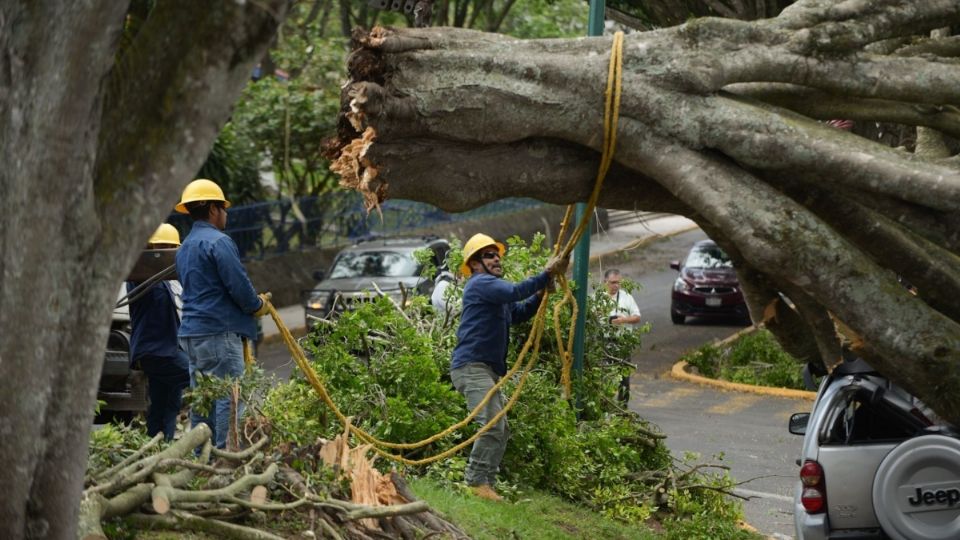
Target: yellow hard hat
{"points": [[475, 244], [201, 190], [165, 234]]}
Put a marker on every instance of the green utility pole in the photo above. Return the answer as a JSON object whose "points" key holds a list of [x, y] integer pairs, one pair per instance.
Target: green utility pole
{"points": [[581, 254]]}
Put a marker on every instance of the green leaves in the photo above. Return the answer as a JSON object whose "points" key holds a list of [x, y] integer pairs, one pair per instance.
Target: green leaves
{"points": [[388, 371], [754, 358]]}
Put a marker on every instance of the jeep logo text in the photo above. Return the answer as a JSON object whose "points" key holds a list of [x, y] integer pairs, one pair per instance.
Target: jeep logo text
{"points": [[949, 496]]}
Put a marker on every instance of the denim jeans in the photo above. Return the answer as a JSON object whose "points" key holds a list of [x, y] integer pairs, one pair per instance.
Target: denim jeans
{"points": [[219, 355], [473, 381], [167, 377]]}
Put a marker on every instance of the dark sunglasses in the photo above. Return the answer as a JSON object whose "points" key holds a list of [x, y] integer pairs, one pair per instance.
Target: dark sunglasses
{"points": [[489, 255]]}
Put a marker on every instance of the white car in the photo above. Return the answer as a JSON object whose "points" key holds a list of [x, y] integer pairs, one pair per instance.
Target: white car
{"points": [[876, 463]]}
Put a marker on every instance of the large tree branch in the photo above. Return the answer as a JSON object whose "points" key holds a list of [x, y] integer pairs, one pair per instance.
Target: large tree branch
{"points": [[751, 133], [477, 94], [831, 24], [932, 269], [553, 171], [825, 106], [821, 263]]}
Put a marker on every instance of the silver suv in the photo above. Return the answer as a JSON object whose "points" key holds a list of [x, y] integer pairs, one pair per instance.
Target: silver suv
{"points": [[384, 265], [876, 463]]}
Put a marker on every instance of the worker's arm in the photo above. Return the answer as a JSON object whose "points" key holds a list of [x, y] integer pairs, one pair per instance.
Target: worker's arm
{"points": [[523, 310], [499, 291], [234, 276]]}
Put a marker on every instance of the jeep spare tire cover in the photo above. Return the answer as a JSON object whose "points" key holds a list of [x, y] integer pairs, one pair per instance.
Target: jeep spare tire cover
{"points": [[916, 492]]}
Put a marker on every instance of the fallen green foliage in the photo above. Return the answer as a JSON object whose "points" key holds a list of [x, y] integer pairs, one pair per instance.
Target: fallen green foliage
{"points": [[754, 358], [388, 370]]}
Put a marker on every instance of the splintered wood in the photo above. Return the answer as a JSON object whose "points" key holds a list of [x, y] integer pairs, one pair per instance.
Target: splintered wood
{"points": [[367, 485], [356, 171]]}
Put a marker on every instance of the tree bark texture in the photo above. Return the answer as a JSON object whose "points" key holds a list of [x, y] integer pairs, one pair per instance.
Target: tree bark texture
{"points": [[96, 147], [720, 121]]}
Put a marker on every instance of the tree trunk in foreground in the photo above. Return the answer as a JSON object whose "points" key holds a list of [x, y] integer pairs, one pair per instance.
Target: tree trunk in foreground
{"points": [[96, 145], [718, 122]]}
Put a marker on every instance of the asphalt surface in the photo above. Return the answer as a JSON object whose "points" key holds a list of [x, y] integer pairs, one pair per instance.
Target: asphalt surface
{"points": [[744, 432], [748, 431]]}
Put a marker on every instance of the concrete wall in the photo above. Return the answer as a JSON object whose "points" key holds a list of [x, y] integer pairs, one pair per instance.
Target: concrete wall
{"points": [[287, 275]]}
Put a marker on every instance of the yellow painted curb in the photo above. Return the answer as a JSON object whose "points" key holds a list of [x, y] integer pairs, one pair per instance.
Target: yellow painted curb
{"points": [[679, 371]]}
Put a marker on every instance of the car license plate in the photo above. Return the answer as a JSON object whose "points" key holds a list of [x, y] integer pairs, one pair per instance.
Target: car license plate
{"points": [[714, 301]]}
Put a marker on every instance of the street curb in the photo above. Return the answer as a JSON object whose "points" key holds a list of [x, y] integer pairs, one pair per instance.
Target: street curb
{"points": [[679, 372], [640, 243], [296, 331]]}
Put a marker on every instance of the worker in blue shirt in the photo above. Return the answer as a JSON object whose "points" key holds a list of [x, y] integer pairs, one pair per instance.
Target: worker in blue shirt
{"points": [[490, 305], [154, 322], [220, 305]]}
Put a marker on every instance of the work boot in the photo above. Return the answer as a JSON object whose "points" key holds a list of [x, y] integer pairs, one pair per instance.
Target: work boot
{"points": [[485, 491]]}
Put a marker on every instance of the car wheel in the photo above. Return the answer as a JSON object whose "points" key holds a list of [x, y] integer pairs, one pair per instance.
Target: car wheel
{"points": [[677, 318], [916, 491]]}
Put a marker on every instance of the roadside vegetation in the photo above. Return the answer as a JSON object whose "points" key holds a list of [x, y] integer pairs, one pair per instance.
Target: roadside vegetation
{"points": [[596, 471], [753, 358]]}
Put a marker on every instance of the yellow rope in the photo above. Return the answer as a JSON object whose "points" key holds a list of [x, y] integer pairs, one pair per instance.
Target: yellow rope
{"points": [[610, 121]]}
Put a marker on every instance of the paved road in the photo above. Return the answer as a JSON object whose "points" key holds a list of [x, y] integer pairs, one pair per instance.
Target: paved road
{"points": [[748, 430]]}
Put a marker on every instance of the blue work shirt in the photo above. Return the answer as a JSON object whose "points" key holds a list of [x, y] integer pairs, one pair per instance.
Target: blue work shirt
{"points": [[217, 294], [154, 323], [490, 306]]}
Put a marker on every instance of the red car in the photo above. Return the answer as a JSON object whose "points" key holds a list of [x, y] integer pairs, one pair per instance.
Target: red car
{"points": [[707, 286]]}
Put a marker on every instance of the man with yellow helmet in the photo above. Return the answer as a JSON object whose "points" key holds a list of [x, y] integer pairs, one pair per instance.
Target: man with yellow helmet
{"points": [[154, 322], [490, 305], [220, 305]]}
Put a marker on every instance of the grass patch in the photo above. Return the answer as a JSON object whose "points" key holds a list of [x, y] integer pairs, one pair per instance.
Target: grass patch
{"points": [[534, 514], [755, 358]]}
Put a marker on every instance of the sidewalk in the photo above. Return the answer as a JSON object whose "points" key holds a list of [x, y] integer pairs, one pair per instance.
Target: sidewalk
{"points": [[602, 244]]}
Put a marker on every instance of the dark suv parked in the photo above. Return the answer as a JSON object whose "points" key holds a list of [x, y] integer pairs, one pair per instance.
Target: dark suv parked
{"points": [[876, 463], [359, 270], [122, 388]]}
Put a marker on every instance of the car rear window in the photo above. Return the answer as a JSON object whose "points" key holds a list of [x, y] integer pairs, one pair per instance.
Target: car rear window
{"points": [[352, 264], [865, 420], [708, 257]]}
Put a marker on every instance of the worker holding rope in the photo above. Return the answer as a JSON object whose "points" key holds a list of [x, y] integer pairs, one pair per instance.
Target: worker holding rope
{"points": [[490, 305], [220, 305]]}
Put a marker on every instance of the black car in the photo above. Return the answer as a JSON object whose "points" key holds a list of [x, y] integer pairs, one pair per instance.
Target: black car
{"points": [[361, 269], [707, 286]]}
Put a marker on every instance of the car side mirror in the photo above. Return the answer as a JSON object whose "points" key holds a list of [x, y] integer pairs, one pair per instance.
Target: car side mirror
{"points": [[675, 265], [798, 423], [318, 275]]}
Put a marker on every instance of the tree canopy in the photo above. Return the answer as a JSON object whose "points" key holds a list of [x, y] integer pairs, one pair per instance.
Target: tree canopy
{"points": [[724, 121]]}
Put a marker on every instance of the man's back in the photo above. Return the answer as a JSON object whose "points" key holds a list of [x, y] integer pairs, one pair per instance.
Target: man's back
{"points": [[217, 294]]}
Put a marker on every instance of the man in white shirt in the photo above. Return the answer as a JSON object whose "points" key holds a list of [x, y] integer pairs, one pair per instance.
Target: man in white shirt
{"points": [[439, 298], [625, 314]]}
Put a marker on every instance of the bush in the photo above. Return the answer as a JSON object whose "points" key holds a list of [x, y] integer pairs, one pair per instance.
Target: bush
{"points": [[754, 358], [389, 371]]}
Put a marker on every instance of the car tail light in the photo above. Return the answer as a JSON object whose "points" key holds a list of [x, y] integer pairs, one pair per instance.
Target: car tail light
{"points": [[814, 494]]}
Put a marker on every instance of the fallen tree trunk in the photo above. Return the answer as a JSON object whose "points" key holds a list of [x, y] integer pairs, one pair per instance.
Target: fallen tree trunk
{"points": [[718, 122]]}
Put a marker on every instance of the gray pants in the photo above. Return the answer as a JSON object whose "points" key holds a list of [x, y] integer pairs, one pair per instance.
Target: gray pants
{"points": [[473, 381]]}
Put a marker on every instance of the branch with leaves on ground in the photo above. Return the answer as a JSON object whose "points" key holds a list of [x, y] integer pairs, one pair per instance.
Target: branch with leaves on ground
{"points": [[190, 486]]}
